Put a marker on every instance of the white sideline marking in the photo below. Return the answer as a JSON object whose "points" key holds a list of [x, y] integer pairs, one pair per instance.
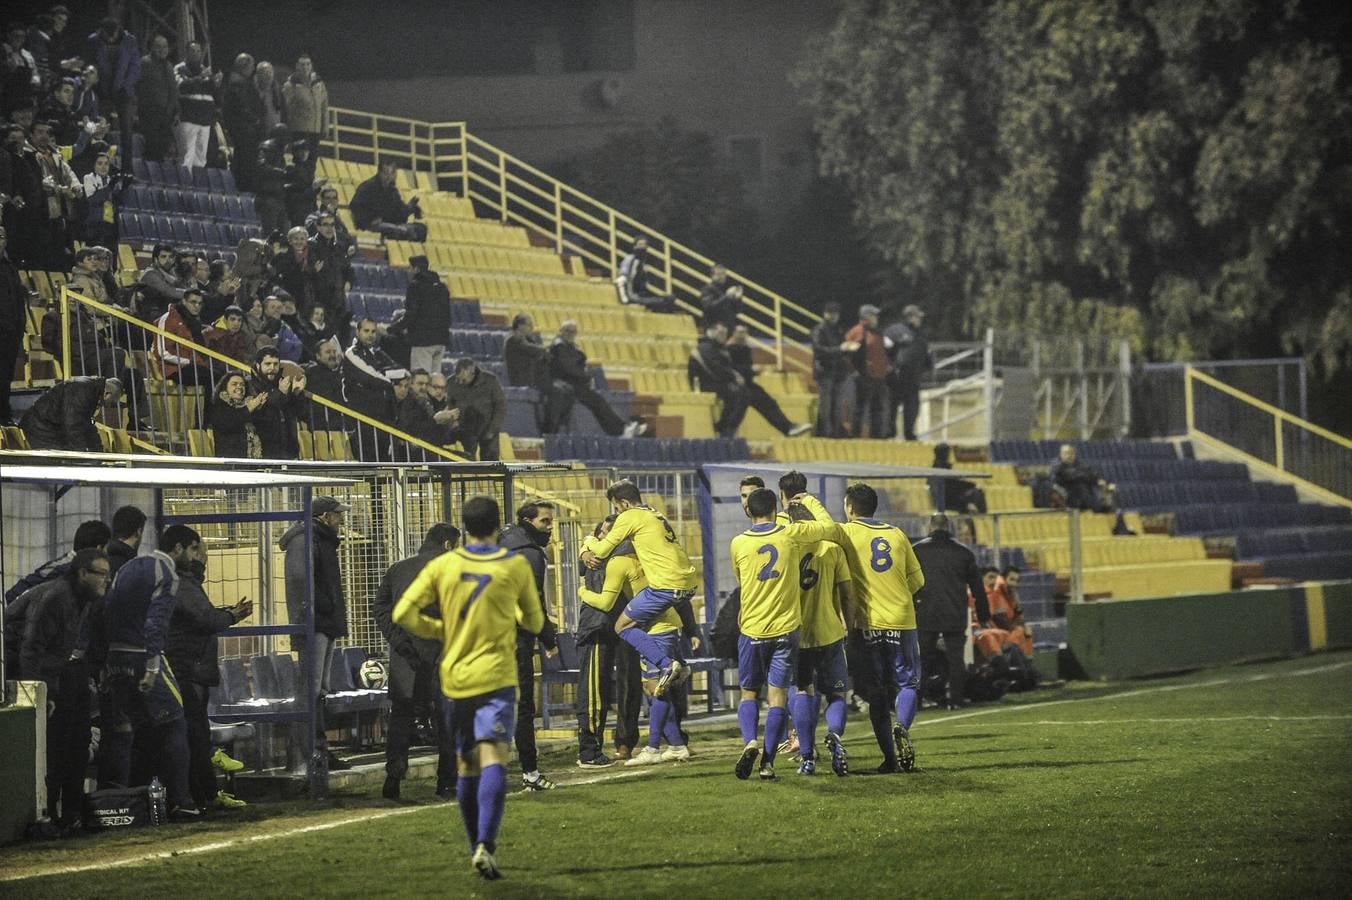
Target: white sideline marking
{"points": [[1174, 721], [615, 776]]}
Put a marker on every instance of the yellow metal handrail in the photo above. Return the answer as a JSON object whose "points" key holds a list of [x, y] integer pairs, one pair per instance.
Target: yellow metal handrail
{"points": [[1281, 462], [574, 221]]}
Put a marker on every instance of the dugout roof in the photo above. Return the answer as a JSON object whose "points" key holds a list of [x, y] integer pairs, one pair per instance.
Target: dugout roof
{"points": [[843, 470]]}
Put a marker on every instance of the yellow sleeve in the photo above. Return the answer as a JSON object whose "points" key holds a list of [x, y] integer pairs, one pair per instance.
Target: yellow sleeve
{"points": [[626, 523], [810, 533], [529, 614], [408, 612], [618, 573], [833, 530]]}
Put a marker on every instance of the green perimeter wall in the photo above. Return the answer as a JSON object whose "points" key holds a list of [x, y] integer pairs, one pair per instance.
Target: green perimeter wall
{"points": [[1133, 638], [18, 751]]}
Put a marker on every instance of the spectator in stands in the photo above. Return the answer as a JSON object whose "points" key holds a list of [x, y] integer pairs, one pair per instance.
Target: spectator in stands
{"points": [[324, 378], [528, 366], [157, 100], [414, 678], [911, 359], [92, 350], [739, 352], [117, 56], [711, 366], [191, 652], [58, 110], [307, 103], [316, 330], [61, 190], [378, 206], [284, 340], [1079, 485], [129, 525], [197, 85], [478, 407], [180, 363], [38, 43], [160, 283], [528, 537], [436, 391], [870, 383], [631, 280], [329, 275], [91, 533], [13, 323], [956, 494], [720, 301], [139, 687], [330, 607], [573, 381], [270, 94], [292, 265], [368, 390], [103, 196], [59, 52], [242, 116], [326, 201], [254, 328], [269, 182], [49, 653], [276, 420], [21, 84], [941, 605], [222, 289], [298, 185], [24, 212], [427, 315], [831, 370], [87, 97]]}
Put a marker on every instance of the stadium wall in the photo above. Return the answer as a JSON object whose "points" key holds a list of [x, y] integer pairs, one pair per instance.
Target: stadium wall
{"points": [[1135, 638], [23, 758]]}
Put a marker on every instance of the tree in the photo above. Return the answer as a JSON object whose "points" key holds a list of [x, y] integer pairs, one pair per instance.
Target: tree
{"points": [[1175, 171]]}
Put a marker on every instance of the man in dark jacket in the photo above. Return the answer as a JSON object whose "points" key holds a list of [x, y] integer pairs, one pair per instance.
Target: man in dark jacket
{"points": [[529, 537], [330, 275], [831, 370], [269, 175], [324, 378], [941, 605], [50, 653], [191, 652], [568, 369], [197, 106], [276, 420], [758, 398], [720, 301], [377, 206], [13, 300], [157, 99], [242, 116], [115, 53], [413, 667], [92, 533], [910, 361], [427, 316], [369, 391], [63, 417], [330, 608], [476, 398], [528, 366], [129, 524], [712, 366], [1082, 487]]}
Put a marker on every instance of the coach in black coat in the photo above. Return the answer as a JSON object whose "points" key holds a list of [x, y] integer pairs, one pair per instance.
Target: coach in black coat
{"points": [[63, 418], [413, 666], [941, 605]]}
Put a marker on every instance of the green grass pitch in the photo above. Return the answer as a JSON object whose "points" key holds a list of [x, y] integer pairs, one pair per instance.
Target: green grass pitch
{"points": [[1224, 783]]}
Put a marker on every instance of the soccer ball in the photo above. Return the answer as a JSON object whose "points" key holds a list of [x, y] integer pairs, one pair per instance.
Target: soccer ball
{"points": [[372, 675]]}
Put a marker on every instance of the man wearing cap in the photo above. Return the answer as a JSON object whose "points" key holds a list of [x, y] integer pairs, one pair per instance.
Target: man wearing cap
{"points": [[910, 361], [330, 608], [62, 418], [479, 406], [427, 316], [870, 364], [941, 604]]}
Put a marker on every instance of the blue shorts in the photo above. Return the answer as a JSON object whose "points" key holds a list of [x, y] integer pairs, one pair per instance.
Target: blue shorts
{"points": [[767, 660], [484, 717], [823, 668], [651, 602], [670, 643], [893, 659]]}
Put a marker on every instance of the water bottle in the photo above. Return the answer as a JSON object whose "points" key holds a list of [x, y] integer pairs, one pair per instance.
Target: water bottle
{"points": [[159, 809]]}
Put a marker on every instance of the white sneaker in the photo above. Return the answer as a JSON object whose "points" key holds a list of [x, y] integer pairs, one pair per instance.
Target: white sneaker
{"points": [[676, 754], [648, 756], [802, 428]]}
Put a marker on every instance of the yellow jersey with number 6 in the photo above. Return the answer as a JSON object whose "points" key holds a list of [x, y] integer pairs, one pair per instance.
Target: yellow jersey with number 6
{"points": [[765, 558]]}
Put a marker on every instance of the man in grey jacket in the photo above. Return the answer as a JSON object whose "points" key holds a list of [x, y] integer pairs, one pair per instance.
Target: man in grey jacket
{"points": [[480, 406]]}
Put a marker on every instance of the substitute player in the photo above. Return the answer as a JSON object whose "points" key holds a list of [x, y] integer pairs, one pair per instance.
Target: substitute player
{"points": [[482, 592], [765, 559], [671, 576], [824, 582], [886, 576]]}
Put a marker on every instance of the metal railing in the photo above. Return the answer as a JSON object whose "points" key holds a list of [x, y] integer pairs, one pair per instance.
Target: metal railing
{"points": [[574, 222], [1268, 437]]}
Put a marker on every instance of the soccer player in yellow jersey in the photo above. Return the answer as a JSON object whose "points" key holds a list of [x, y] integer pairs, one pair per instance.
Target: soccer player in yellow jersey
{"points": [[482, 592], [824, 583], [671, 576], [765, 559], [886, 576]]}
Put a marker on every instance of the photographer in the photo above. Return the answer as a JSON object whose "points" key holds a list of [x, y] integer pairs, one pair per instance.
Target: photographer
{"points": [[103, 189]]}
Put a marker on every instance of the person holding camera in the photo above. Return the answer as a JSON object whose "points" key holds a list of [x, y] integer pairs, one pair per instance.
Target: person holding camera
{"points": [[103, 189]]}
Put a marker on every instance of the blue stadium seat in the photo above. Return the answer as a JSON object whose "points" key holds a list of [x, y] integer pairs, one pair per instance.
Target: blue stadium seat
{"points": [[139, 169], [154, 172], [233, 210], [199, 178], [129, 226], [247, 212]]}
